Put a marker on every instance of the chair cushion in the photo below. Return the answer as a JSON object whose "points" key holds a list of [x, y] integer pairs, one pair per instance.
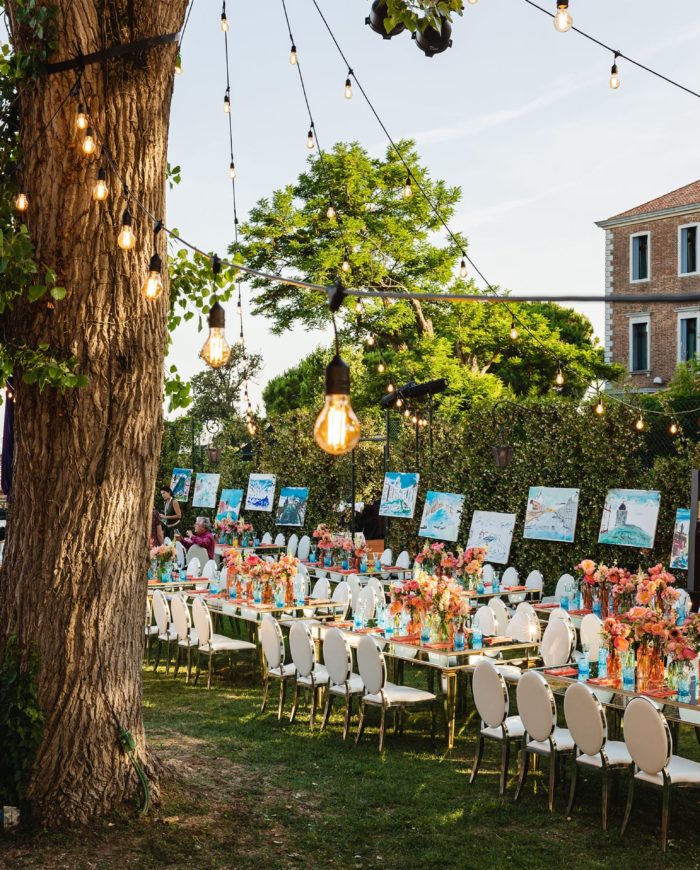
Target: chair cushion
{"points": [[191, 641], [320, 675], [513, 724], [355, 685], [151, 630], [562, 740], [221, 643], [679, 769], [170, 634], [287, 670], [616, 752], [394, 694]]}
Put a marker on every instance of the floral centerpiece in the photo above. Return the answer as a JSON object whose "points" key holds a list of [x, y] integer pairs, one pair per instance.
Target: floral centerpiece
{"points": [[445, 604], [656, 589], [470, 565], [284, 573], [407, 597], [652, 631], [225, 528], [430, 556], [162, 559], [615, 635], [243, 531], [624, 588]]}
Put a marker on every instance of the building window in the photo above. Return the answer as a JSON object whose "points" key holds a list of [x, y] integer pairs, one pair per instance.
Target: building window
{"points": [[688, 250], [687, 335], [639, 344], [639, 267]]}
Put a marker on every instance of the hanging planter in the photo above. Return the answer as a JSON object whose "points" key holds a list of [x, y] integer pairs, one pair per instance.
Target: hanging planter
{"points": [[376, 18], [432, 41]]}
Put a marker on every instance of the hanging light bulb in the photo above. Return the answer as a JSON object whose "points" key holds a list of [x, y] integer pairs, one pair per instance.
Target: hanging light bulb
{"points": [[293, 56], [559, 380], [224, 22], [21, 202], [359, 307], [337, 429], [89, 142], [348, 89], [126, 238], [639, 423], [232, 170], [330, 213], [81, 120], [414, 420], [390, 388], [152, 287], [381, 368], [346, 265], [100, 191], [514, 334], [615, 75], [227, 103], [9, 393], [472, 2], [673, 428], [241, 340], [406, 413], [463, 269], [600, 407], [370, 341], [216, 349], [562, 19], [178, 64], [310, 143], [399, 402], [407, 189]]}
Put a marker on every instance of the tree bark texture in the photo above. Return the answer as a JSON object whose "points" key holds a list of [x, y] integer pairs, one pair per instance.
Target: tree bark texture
{"points": [[73, 580]]}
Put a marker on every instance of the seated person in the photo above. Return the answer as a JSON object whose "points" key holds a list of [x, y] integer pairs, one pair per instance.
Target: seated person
{"points": [[202, 536]]}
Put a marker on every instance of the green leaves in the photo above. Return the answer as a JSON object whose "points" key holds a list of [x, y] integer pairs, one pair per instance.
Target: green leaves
{"points": [[418, 14]]}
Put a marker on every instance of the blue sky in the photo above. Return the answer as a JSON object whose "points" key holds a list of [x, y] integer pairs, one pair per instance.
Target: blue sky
{"points": [[519, 116]]}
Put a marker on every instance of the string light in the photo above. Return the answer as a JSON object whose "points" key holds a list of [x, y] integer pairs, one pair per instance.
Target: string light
{"points": [[81, 121], [126, 238], [216, 350], [390, 388], [89, 142], [463, 269], [614, 74], [21, 202], [514, 334], [370, 341], [599, 407], [562, 18], [152, 287], [330, 213], [359, 307], [337, 429], [407, 189], [227, 103], [399, 402], [310, 142], [347, 93], [224, 22], [673, 428], [472, 2], [639, 424], [414, 419], [100, 191], [406, 413], [559, 380], [381, 368], [232, 170], [346, 265], [293, 56]]}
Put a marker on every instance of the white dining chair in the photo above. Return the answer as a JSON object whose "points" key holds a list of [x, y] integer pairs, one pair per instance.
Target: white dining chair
{"points": [[491, 701], [309, 674], [562, 584], [292, 545], [487, 574], [210, 644], [556, 646], [209, 569], [342, 682], [538, 712], [354, 586], [198, 553], [379, 692], [648, 739], [186, 635], [563, 616], [341, 595], [534, 580], [266, 538], [150, 630], [167, 541], [500, 612], [304, 548], [586, 721], [367, 602], [484, 618], [273, 655], [386, 557], [180, 555], [510, 576], [379, 590], [166, 630], [403, 560], [280, 540], [589, 632]]}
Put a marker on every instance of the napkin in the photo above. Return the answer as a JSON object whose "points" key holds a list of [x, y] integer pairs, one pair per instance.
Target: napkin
{"points": [[407, 638], [499, 639], [579, 612], [562, 672], [660, 693], [604, 681], [515, 588], [549, 606]]}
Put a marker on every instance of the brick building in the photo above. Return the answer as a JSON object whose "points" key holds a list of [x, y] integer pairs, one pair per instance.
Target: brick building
{"points": [[653, 248]]}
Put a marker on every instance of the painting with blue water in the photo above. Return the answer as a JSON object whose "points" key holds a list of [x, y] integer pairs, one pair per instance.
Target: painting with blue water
{"points": [[291, 508], [261, 492], [399, 495], [681, 538], [630, 517], [551, 514], [442, 514], [180, 482], [494, 532], [229, 504], [205, 489]]}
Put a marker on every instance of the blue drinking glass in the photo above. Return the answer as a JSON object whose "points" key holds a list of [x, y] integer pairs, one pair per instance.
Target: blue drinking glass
{"points": [[425, 633], [628, 678], [477, 638], [459, 641], [584, 668], [602, 662]]}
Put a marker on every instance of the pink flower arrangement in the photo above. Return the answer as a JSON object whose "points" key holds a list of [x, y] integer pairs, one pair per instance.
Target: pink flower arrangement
{"points": [[241, 526], [225, 526], [163, 554], [616, 633], [471, 560]]}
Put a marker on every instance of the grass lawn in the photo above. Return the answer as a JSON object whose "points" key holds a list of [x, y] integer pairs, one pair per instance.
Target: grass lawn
{"points": [[245, 791]]}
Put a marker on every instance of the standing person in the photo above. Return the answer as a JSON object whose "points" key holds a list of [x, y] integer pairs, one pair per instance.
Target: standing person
{"points": [[172, 513], [202, 536], [157, 535]]}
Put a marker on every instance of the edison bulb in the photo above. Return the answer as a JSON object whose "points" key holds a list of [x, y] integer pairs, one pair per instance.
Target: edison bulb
{"points": [[399, 402], [346, 265], [153, 286], [390, 388], [126, 238], [407, 189], [337, 428], [359, 307], [381, 367], [227, 104], [100, 191], [21, 202], [348, 89], [559, 380], [224, 22], [562, 19], [293, 56], [81, 121], [514, 334], [216, 350], [463, 269], [614, 78], [414, 419], [600, 408], [310, 144], [407, 413], [639, 424], [673, 428], [89, 142], [330, 213], [370, 341]]}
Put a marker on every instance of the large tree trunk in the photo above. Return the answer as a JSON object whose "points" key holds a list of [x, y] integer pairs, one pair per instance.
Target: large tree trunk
{"points": [[73, 581]]}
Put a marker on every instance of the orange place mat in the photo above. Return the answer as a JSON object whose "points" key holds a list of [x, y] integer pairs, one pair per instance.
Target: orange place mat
{"points": [[345, 623], [608, 682], [441, 645], [515, 588], [562, 672], [407, 638], [499, 639], [551, 606], [377, 631], [578, 612], [661, 693]]}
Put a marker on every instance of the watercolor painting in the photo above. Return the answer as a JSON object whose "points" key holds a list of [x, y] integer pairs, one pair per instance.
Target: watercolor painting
{"points": [[261, 492], [442, 514], [494, 531], [551, 514], [205, 489], [291, 508], [630, 517], [399, 495], [229, 504], [180, 482], [681, 538]]}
